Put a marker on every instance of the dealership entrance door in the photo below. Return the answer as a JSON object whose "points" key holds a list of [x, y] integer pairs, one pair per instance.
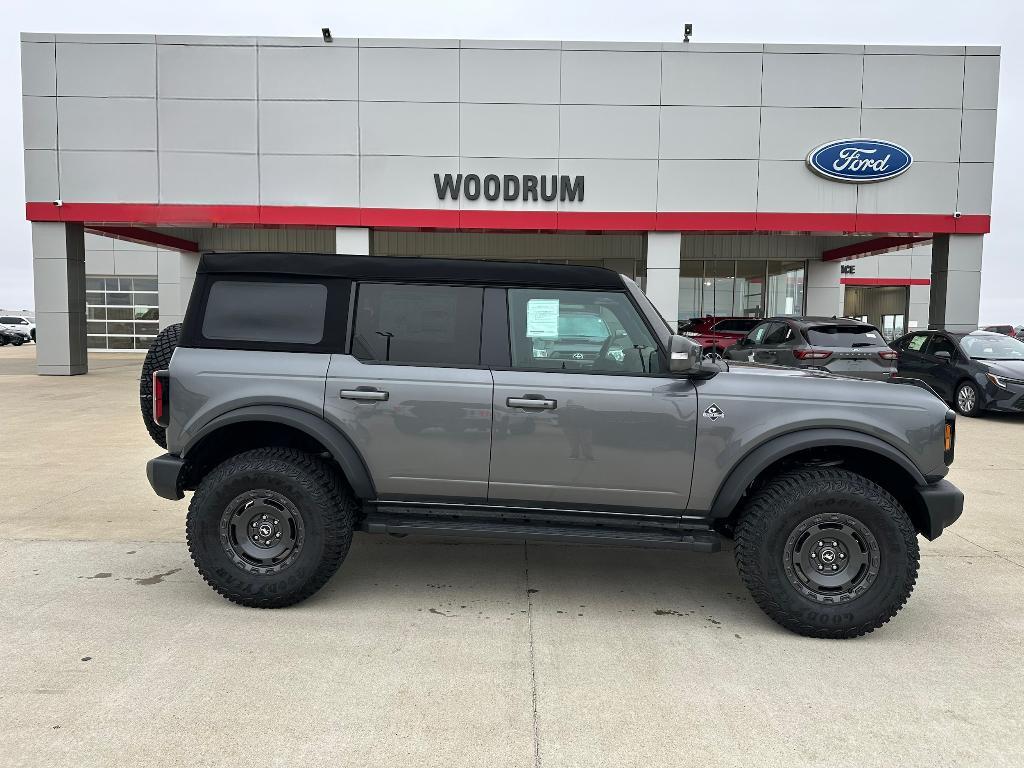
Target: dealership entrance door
{"points": [[884, 306]]}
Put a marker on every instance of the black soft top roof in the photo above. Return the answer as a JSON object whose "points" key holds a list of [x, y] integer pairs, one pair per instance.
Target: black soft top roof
{"points": [[411, 269]]}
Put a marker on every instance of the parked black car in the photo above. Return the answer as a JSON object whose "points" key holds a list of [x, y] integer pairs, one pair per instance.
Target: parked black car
{"points": [[974, 372]]}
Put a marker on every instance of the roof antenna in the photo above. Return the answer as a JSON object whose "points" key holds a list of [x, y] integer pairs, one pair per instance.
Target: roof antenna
{"points": [[687, 31], [326, 32]]}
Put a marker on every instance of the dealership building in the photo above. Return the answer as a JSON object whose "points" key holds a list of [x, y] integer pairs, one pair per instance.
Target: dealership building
{"points": [[733, 180]]}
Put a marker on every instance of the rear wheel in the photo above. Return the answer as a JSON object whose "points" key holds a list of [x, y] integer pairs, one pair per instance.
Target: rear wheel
{"points": [[269, 527], [157, 359], [967, 400], [827, 553]]}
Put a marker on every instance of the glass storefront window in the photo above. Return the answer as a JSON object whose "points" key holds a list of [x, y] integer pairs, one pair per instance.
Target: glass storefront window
{"points": [[748, 300], [131, 303], [691, 274], [741, 288], [786, 288]]}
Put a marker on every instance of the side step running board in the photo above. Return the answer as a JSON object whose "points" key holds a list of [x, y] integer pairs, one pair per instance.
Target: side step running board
{"points": [[698, 541]]}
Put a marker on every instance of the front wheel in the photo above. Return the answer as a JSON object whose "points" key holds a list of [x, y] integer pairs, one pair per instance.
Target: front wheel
{"points": [[968, 399], [827, 553], [269, 527]]}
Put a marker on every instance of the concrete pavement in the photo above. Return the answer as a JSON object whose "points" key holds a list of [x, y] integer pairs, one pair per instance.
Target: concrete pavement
{"points": [[427, 653]]}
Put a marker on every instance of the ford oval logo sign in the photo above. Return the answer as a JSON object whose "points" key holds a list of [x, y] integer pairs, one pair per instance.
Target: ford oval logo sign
{"points": [[859, 160]]}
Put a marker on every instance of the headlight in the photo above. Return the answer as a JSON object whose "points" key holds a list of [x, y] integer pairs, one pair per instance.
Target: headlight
{"points": [[1002, 381]]}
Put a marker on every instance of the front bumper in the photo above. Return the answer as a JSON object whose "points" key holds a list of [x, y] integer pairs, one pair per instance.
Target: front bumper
{"points": [[165, 476], [942, 503]]}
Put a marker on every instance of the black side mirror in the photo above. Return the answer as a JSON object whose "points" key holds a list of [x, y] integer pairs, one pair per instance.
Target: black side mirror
{"points": [[944, 356]]}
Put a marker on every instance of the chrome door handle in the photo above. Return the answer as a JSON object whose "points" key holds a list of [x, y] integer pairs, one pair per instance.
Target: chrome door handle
{"points": [[536, 403], [367, 394]]}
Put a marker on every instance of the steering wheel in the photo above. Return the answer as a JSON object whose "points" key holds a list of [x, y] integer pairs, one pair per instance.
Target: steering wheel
{"points": [[602, 355]]}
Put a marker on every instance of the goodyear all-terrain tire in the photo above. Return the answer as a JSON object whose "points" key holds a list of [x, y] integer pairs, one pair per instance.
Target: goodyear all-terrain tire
{"points": [[269, 527], [157, 359], [827, 553]]}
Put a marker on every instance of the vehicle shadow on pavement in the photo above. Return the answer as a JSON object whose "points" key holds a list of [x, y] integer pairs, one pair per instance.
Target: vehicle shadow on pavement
{"points": [[453, 578]]}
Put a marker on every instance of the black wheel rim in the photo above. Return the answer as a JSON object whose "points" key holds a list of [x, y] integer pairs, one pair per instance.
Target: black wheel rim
{"points": [[831, 558], [262, 531]]}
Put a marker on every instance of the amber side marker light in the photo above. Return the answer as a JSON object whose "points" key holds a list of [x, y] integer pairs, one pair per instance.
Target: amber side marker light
{"points": [[949, 437]]}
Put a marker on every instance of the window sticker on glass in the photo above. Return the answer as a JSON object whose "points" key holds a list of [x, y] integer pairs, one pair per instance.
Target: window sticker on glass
{"points": [[542, 318], [871, 335], [917, 342]]}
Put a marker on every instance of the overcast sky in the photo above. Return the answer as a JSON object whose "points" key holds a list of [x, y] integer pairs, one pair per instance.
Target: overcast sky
{"points": [[979, 22]]}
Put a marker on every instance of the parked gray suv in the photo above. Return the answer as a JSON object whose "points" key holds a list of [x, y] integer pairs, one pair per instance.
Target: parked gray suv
{"points": [[308, 396], [838, 345]]}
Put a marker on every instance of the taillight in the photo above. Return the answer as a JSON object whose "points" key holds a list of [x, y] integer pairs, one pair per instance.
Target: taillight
{"points": [[888, 355], [161, 397], [811, 354]]}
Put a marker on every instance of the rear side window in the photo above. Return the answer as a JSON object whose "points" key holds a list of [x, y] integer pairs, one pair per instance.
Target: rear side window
{"points": [[267, 312], [780, 333], [844, 336], [418, 324]]}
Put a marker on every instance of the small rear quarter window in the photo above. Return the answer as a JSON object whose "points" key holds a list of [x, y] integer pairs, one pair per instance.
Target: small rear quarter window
{"points": [[268, 312]]}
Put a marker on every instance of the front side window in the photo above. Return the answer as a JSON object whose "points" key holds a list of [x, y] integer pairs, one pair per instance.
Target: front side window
{"points": [[942, 343], [589, 331], [757, 335], [435, 325], [779, 333]]}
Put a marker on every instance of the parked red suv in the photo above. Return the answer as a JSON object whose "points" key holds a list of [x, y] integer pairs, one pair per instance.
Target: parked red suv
{"points": [[717, 334]]}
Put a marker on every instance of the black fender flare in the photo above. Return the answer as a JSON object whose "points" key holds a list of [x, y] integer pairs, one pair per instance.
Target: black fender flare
{"points": [[333, 439], [757, 460]]}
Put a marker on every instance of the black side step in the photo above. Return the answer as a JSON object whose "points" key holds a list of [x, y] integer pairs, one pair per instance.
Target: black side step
{"points": [[697, 541]]}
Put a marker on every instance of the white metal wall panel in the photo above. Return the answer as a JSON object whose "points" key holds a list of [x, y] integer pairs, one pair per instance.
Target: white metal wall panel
{"points": [[308, 73], [106, 70]]}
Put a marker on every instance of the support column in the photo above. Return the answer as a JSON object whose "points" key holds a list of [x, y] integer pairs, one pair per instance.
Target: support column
{"points": [[176, 274], [352, 241], [662, 288], [825, 294], [58, 268], [956, 282]]}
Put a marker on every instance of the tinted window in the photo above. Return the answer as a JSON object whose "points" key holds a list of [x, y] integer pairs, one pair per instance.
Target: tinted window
{"points": [[844, 336], [592, 331], [266, 312], [735, 326], [942, 343], [778, 333], [12, 320], [419, 324]]}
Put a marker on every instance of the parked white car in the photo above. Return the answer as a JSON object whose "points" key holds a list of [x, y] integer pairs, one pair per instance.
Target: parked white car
{"points": [[19, 324]]}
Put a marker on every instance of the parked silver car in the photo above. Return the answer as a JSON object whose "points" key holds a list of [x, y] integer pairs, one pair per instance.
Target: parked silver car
{"points": [[836, 345]]}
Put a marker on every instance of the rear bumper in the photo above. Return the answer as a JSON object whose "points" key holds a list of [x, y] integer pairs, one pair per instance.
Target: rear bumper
{"points": [[943, 504], [164, 474]]}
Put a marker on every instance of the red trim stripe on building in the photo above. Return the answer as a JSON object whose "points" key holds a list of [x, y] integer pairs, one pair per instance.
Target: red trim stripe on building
{"points": [[885, 281], [162, 214]]}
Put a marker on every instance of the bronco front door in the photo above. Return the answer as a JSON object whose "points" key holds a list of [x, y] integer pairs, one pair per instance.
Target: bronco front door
{"points": [[586, 415]]}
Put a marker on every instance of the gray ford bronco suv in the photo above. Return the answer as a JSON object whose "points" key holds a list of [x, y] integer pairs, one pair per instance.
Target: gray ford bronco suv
{"points": [[308, 396]]}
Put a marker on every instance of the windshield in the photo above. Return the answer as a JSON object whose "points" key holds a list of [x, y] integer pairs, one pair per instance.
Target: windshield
{"points": [[990, 346], [582, 326], [844, 336]]}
